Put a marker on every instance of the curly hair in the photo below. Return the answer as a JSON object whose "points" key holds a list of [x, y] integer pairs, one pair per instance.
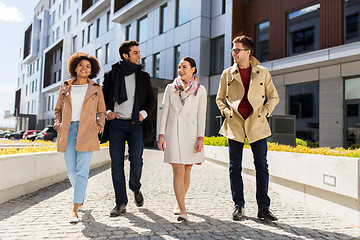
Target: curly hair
{"points": [[76, 58]]}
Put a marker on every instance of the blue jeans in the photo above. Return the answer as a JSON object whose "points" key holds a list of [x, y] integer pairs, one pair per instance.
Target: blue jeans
{"points": [[77, 164], [119, 132], [259, 150]]}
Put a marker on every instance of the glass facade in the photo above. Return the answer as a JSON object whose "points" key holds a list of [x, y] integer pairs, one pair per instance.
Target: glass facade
{"points": [[217, 55], [163, 17], [156, 70], [351, 21], [176, 59], [183, 11], [352, 110], [262, 41], [303, 30], [303, 102], [142, 30]]}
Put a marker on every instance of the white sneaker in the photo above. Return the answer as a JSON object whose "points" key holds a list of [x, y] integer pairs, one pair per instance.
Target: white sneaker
{"points": [[74, 220]]}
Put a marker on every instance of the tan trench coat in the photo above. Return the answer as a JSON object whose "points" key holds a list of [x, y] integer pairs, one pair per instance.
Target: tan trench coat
{"points": [[230, 93], [92, 117]]}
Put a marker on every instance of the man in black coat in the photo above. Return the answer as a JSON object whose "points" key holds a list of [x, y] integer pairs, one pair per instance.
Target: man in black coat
{"points": [[129, 100]]}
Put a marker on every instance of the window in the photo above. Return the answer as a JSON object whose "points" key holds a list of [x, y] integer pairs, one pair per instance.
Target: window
{"points": [[37, 65], [97, 27], [57, 33], [59, 10], [142, 29], [143, 62], [183, 11], [176, 59], [163, 17], [108, 21], [303, 101], [262, 41], [69, 24], [36, 83], [223, 6], [69, 4], [83, 38], [64, 6], [77, 17], [156, 70], [53, 37], [90, 32], [351, 21], [74, 44], [98, 53], [53, 17], [54, 57], [217, 55], [55, 77], [60, 53], [303, 30], [64, 28], [352, 111], [128, 32], [59, 76], [107, 53]]}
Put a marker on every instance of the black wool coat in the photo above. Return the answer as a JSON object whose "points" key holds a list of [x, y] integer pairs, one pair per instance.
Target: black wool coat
{"points": [[146, 100]]}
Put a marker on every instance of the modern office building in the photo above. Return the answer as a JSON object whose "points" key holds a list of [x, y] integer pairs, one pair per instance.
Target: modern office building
{"points": [[167, 31], [312, 49]]}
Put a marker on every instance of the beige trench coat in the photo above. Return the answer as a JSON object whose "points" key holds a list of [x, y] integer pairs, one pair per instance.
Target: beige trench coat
{"points": [[92, 117], [182, 125], [230, 93]]}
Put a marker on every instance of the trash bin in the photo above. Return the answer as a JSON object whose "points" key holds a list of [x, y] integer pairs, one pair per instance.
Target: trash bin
{"points": [[283, 129]]}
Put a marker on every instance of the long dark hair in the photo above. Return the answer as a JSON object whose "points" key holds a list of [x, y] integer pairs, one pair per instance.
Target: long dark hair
{"points": [[191, 61]]}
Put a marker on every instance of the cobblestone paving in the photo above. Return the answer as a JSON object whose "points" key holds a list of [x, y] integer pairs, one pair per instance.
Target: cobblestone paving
{"points": [[43, 214]]}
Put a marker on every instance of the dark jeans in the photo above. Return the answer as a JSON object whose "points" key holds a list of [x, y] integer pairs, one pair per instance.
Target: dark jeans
{"points": [[119, 132], [259, 150]]}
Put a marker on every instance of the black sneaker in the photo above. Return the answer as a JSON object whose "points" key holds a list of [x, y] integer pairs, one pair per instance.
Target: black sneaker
{"points": [[238, 213], [139, 199], [118, 210], [266, 215]]}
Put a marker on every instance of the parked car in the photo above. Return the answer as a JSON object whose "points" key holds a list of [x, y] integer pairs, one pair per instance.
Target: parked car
{"points": [[3, 133], [47, 133], [30, 132], [15, 135]]}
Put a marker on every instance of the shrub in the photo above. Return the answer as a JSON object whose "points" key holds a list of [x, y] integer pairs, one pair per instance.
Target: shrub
{"points": [[300, 142], [301, 148]]}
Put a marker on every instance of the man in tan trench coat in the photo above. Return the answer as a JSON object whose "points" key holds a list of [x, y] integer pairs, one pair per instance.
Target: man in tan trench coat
{"points": [[246, 96]]}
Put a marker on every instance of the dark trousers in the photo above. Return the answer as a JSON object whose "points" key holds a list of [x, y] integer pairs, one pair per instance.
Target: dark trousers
{"points": [[119, 132], [259, 150]]}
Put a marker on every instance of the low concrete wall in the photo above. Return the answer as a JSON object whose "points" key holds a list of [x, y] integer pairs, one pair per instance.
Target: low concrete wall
{"points": [[329, 183], [25, 173]]}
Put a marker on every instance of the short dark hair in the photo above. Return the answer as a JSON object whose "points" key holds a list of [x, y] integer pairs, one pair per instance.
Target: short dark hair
{"points": [[125, 47], [191, 61], [246, 41], [76, 58]]}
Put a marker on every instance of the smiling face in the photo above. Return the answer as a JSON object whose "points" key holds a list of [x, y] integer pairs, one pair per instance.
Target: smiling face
{"points": [[243, 57], [83, 69], [134, 55], [185, 71]]}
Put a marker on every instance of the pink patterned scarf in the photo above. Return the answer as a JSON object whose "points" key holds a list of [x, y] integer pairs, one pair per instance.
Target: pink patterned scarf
{"points": [[186, 89]]}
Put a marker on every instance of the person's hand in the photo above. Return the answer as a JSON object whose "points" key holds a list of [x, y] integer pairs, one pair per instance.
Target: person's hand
{"points": [[112, 115], [161, 143], [199, 146], [141, 118]]}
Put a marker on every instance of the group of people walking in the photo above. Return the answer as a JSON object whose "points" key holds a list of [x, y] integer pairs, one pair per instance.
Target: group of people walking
{"points": [[120, 112]]}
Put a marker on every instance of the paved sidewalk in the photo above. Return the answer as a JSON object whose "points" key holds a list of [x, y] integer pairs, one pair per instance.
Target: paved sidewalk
{"points": [[43, 214]]}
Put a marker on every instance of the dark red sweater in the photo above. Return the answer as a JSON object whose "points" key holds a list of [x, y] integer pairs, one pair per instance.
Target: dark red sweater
{"points": [[245, 107]]}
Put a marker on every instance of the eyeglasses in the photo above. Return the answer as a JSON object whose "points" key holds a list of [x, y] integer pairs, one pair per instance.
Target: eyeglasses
{"points": [[237, 50]]}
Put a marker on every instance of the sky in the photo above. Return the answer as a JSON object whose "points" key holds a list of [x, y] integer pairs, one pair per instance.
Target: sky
{"points": [[15, 16]]}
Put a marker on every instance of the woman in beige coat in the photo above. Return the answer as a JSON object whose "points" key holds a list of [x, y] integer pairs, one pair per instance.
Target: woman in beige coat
{"points": [[79, 118], [182, 128]]}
